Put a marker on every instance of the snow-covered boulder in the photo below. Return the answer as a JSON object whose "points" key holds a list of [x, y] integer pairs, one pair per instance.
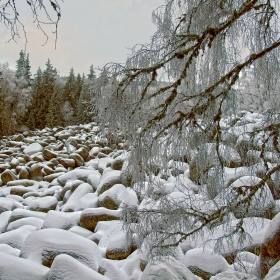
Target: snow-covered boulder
{"points": [[4, 220], [62, 220], [76, 174], [110, 269], [6, 204], [33, 149], [68, 268], [261, 204], [4, 248], [233, 275], [12, 267], [204, 262], [119, 246], [108, 180], [43, 204], [166, 270], [72, 203], [24, 213], [116, 195], [44, 245], [91, 216], [33, 221], [270, 249], [16, 237]]}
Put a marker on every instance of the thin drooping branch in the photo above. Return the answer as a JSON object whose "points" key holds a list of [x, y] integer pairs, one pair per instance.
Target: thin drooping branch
{"points": [[11, 18]]}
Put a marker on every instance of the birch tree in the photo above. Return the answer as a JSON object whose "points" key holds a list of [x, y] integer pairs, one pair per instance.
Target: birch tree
{"points": [[170, 100]]}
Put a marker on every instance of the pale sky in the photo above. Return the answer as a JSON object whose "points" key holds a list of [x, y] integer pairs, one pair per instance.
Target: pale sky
{"points": [[90, 32]]}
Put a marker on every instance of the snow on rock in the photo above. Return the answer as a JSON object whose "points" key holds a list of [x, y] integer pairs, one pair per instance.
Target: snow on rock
{"points": [[12, 268], [33, 149], [4, 220], [247, 257], [33, 221], [234, 275], [131, 266], [80, 231], [102, 163], [4, 248], [72, 202], [61, 220], [89, 200], [247, 267], [6, 204], [16, 237], [24, 213], [93, 180], [270, 249], [101, 230], [254, 229], [261, 205], [117, 195], [273, 273], [166, 270], [76, 174], [119, 246], [68, 268], [109, 269], [44, 245], [91, 216], [108, 180], [204, 262], [43, 204]]}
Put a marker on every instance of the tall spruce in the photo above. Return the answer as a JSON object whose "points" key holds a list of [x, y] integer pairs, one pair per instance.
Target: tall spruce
{"points": [[20, 65]]}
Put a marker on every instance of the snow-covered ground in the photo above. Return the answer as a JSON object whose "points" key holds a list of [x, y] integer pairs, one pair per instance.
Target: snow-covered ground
{"points": [[61, 196]]}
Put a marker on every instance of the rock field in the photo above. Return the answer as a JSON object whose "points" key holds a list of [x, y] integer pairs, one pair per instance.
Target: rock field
{"points": [[61, 195]]}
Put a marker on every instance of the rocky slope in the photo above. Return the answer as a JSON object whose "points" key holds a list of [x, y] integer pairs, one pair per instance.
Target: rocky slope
{"points": [[61, 194]]}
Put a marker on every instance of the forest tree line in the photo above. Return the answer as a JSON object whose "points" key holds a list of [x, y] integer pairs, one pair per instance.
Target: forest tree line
{"points": [[45, 99]]}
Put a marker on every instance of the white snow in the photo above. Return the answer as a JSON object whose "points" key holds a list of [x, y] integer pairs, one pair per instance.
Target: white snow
{"points": [[206, 260], [61, 241], [37, 222], [166, 270], [33, 149], [67, 268], [4, 220], [62, 220], [73, 200], [13, 268]]}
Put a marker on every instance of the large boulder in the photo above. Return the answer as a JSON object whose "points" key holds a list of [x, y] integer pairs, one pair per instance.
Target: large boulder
{"points": [[234, 275], [166, 270], [33, 149], [62, 220], [119, 246], [44, 245], [91, 216], [204, 263], [7, 176], [108, 180], [68, 268], [43, 204], [12, 267]]}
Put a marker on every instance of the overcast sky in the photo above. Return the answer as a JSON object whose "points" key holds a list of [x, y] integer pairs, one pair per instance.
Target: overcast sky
{"points": [[90, 32]]}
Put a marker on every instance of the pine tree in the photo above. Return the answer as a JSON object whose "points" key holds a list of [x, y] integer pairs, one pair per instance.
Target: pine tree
{"points": [[54, 114], [32, 116], [27, 72], [20, 65], [91, 75]]}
